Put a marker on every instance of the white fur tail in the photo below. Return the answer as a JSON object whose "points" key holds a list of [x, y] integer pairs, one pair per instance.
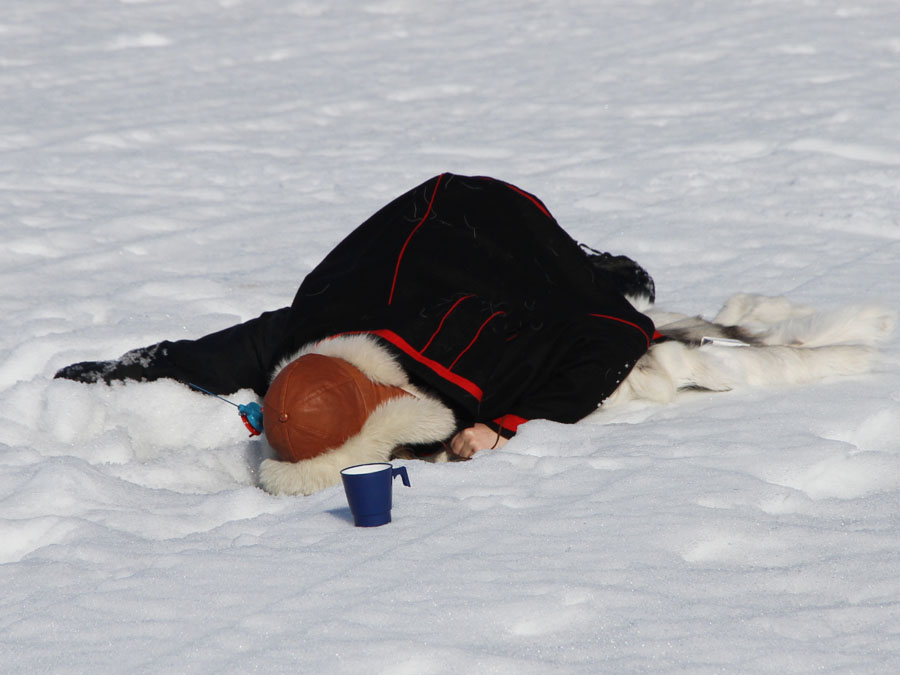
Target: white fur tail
{"points": [[672, 366], [791, 345], [860, 325]]}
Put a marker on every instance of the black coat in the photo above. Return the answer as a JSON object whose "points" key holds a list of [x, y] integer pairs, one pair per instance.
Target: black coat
{"points": [[475, 287]]}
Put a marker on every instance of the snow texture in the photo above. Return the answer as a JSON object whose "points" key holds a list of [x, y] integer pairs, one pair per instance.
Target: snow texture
{"points": [[171, 167]]}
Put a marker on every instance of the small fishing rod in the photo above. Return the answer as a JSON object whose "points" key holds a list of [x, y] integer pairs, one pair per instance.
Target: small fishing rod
{"points": [[251, 413]]}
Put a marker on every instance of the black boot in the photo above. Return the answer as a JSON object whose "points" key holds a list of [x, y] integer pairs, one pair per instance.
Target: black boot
{"points": [[130, 366]]}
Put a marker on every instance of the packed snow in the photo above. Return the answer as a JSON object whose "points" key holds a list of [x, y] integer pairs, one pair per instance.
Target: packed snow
{"points": [[172, 167]]}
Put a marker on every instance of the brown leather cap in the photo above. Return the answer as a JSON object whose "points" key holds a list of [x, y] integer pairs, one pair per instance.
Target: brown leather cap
{"points": [[316, 403]]}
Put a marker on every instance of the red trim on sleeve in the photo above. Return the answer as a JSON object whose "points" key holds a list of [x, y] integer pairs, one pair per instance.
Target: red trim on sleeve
{"points": [[510, 422], [414, 230]]}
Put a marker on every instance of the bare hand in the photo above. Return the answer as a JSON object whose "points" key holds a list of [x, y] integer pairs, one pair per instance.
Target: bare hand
{"points": [[479, 437]]}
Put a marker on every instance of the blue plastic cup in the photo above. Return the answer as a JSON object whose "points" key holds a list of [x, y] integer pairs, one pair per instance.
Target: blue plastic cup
{"points": [[368, 488]]}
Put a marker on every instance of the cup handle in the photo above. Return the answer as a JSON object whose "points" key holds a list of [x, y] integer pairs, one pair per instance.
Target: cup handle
{"points": [[401, 471]]}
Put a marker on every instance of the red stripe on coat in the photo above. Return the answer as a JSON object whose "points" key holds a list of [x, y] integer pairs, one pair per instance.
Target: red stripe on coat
{"points": [[466, 385], [406, 243], [443, 319], [475, 339], [534, 200], [627, 323], [530, 197]]}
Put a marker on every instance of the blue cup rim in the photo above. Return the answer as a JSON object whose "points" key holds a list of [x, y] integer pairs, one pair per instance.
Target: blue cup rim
{"points": [[356, 466]]}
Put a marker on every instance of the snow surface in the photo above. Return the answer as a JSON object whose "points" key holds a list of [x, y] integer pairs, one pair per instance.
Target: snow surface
{"points": [[170, 168]]}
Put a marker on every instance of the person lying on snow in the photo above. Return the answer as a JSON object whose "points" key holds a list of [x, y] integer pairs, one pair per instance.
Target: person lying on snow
{"points": [[447, 319]]}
